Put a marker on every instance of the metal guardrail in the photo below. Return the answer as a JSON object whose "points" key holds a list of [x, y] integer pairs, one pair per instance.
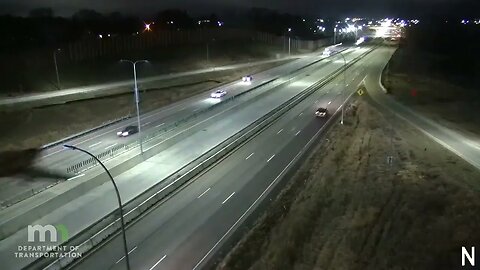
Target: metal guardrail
{"points": [[114, 151], [101, 230], [122, 148], [106, 124]]}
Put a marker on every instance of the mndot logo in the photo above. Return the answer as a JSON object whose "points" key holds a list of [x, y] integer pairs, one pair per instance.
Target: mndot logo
{"points": [[48, 241], [53, 233]]}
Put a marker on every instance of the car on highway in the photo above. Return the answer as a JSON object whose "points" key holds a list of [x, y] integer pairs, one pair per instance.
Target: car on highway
{"points": [[218, 94], [247, 78], [327, 52], [127, 131], [321, 112]]}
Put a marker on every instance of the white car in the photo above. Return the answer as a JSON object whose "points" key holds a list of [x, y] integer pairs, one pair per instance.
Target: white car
{"points": [[327, 52], [248, 78], [218, 94]]}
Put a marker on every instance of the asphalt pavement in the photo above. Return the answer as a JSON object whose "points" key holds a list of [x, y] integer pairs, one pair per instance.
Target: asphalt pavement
{"points": [[81, 212], [463, 146], [187, 229], [58, 159]]}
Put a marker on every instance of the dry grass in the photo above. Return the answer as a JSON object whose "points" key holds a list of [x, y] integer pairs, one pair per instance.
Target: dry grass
{"points": [[39, 126], [346, 208]]}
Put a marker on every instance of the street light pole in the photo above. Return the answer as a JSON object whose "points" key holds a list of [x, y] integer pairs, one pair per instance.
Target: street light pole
{"points": [[344, 82], [56, 67], [335, 35], [289, 41], [120, 207], [137, 98]]}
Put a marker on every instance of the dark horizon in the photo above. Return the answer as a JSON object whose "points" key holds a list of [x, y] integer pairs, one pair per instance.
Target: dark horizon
{"points": [[326, 8]]}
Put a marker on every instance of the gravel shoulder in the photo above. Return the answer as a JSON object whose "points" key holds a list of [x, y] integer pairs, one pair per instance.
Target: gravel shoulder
{"points": [[347, 208]]}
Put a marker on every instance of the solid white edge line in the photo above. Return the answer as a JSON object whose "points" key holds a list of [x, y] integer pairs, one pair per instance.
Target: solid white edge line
{"points": [[199, 196], [75, 177], [269, 186], [159, 261], [160, 125], [271, 158], [228, 197], [280, 131], [249, 156], [298, 132]]}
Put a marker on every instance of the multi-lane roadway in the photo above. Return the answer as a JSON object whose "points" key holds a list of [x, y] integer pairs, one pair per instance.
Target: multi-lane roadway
{"points": [[57, 158], [87, 208], [186, 230]]}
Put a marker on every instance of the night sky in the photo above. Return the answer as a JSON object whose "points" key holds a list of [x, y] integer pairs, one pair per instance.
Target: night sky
{"points": [[457, 8]]}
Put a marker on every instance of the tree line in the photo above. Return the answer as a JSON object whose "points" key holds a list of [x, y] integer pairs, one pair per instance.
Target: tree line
{"points": [[42, 29]]}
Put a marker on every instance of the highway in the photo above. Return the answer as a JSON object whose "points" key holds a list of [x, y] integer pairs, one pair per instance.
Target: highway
{"points": [[463, 146], [56, 158], [84, 210], [186, 230], [11, 101]]}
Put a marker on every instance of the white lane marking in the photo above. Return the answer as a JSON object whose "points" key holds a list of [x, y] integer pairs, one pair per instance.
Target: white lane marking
{"points": [[196, 110], [280, 131], [75, 177], [270, 158], [159, 261], [300, 114], [110, 146], [203, 193], [119, 260], [53, 153], [298, 132], [146, 124], [245, 213], [228, 197], [249, 156], [95, 144], [160, 125], [329, 103]]}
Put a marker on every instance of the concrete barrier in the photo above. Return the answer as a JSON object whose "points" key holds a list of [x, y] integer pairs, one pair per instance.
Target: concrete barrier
{"points": [[133, 209]]}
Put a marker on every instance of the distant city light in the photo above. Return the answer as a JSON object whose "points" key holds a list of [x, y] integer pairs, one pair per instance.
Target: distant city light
{"points": [[100, 36], [147, 27], [220, 23]]}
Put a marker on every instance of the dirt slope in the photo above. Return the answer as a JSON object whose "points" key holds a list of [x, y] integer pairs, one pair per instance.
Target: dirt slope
{"points": [[347, 208]]}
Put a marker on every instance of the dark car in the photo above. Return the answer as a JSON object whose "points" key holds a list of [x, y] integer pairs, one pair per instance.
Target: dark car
{"points": [[127, 131], [321, 112]]}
